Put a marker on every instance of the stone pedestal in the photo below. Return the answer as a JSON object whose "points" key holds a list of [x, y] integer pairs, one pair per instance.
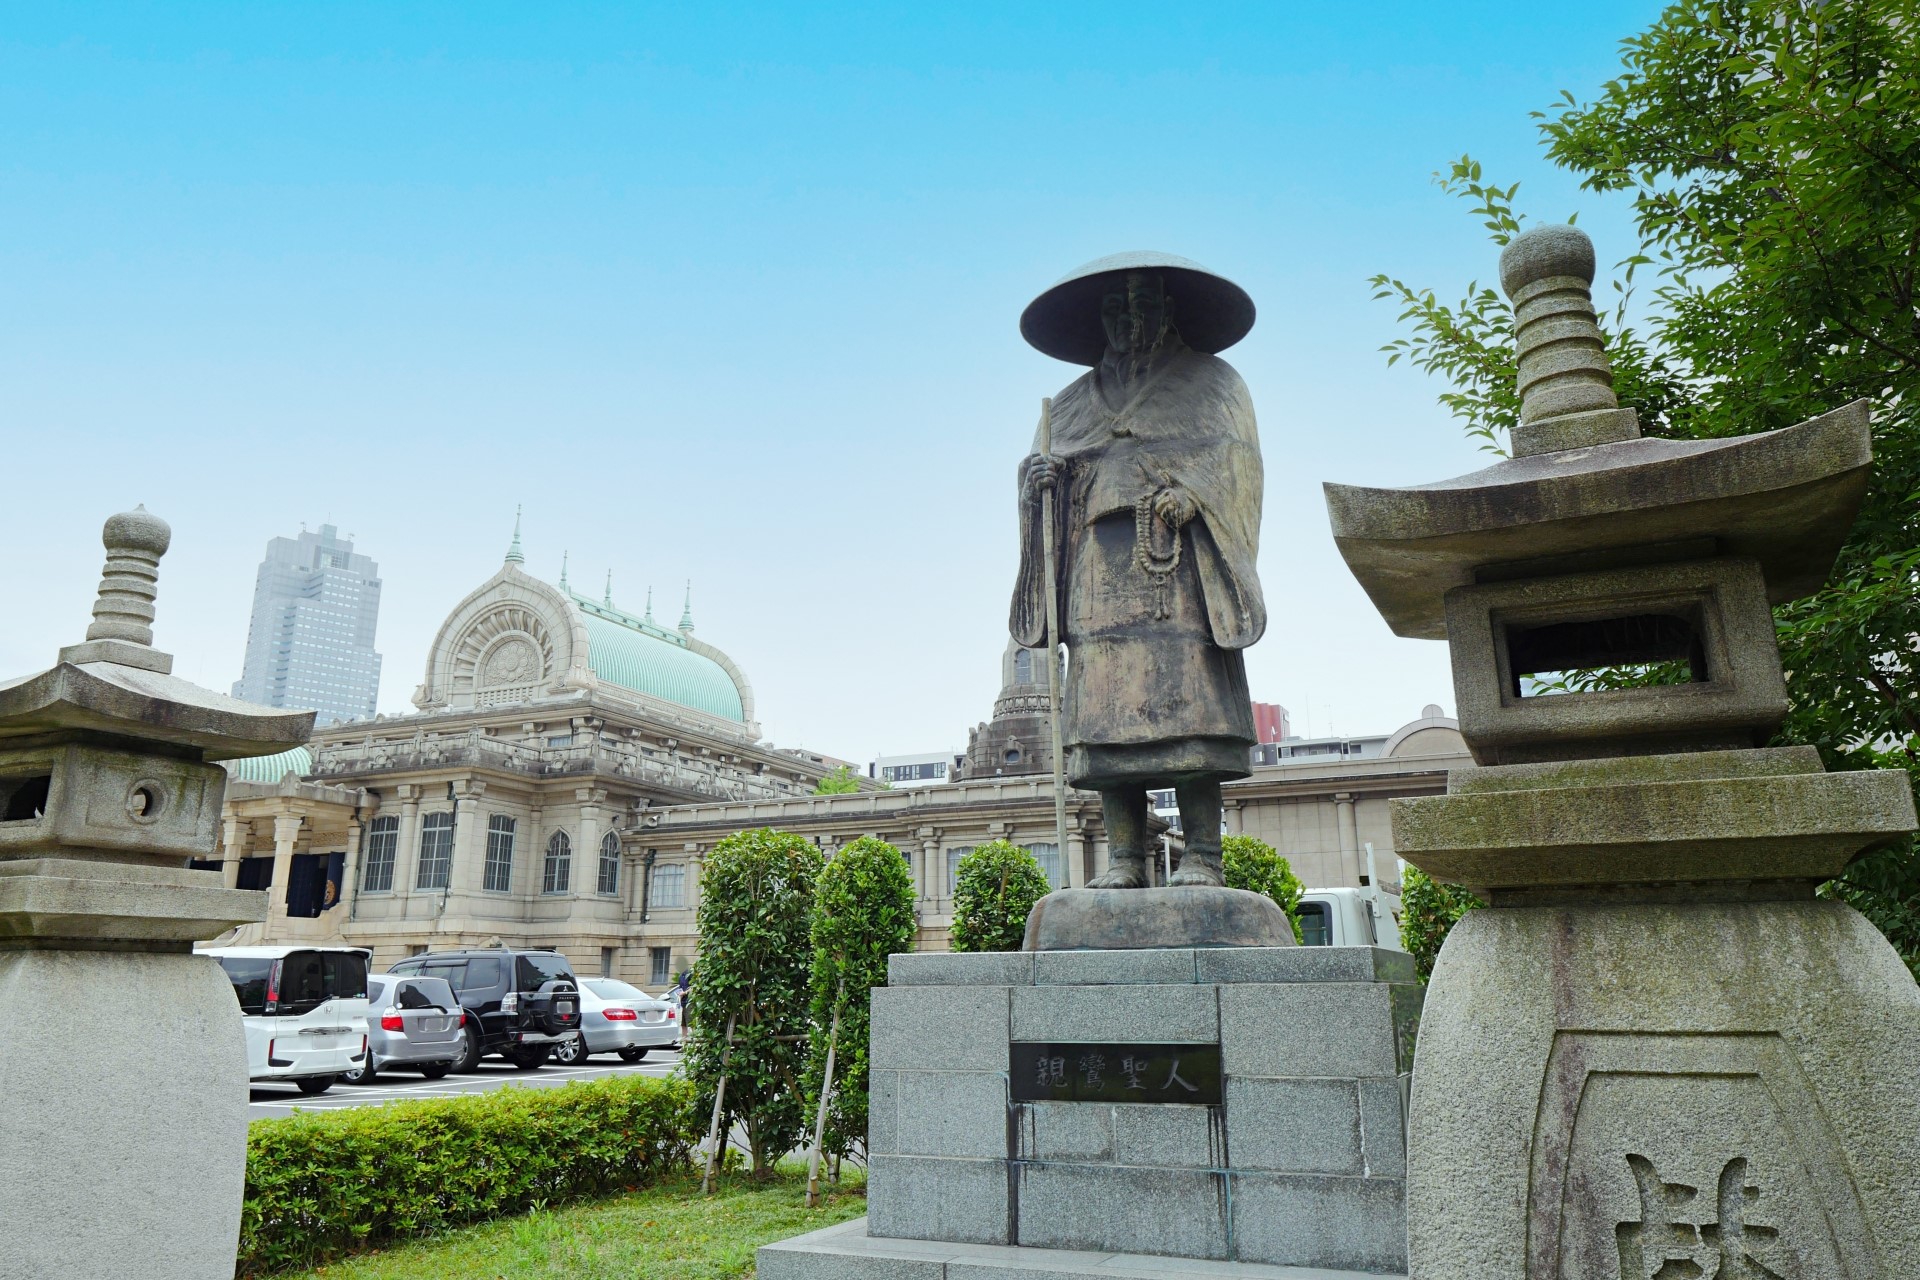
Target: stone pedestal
{"points": [[1300, 1162], [1607, 1090]]}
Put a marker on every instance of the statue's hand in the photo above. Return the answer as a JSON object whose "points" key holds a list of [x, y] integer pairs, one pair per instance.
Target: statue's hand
{"points": [[1174, 505], [1043, 471]]}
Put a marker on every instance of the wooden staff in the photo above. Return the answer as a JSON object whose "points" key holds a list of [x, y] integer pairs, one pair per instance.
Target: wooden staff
{"points": [[1053, 644]]}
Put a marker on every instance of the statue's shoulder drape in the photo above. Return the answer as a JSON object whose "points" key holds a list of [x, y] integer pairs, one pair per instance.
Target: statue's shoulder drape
{"points": [[1191, 426]]}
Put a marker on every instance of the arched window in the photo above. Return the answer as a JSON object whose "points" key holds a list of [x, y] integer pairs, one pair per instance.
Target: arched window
{"points": [[436, 850], [499, 870], [609, 863], [1013, 755], [559, 869], [1023, 667], [376, 867]]}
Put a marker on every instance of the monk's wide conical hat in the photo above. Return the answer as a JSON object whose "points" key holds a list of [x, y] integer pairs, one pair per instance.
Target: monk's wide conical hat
{"points": [[1210, 311]]}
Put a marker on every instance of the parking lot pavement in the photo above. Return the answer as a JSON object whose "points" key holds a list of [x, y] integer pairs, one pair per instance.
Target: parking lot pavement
{"points": [[284, 1099]]}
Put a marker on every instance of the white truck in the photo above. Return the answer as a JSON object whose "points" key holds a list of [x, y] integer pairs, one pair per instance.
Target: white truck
{"points": [[1365, 917]]}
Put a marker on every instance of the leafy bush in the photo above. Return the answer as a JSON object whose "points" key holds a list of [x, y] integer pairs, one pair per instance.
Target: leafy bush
{"points": [[862, 913], [995, 888], [1428, 910], [842, 781], [1251, 863], [756, 902], [325, 1183]]}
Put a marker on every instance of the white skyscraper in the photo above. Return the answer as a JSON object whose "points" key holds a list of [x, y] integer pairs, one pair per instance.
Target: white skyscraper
{"points": [[310, 642]]}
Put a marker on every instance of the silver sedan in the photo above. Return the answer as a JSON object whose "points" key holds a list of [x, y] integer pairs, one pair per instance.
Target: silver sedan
{"points": [[618, 1018], [412, 1022]]}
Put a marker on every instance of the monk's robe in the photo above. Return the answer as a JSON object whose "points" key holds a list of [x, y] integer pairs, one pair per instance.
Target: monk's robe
{"points": [[1154, 618]]}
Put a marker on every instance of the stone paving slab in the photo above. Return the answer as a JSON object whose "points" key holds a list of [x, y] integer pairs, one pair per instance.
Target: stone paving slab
{"points": [[847, 1252]]}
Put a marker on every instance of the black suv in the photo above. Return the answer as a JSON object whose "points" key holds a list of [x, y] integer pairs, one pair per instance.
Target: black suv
{"points": [[519, 1004]]}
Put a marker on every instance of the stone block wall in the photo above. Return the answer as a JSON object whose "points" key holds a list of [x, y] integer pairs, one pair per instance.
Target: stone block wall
{"points": [[1302, 1163]]}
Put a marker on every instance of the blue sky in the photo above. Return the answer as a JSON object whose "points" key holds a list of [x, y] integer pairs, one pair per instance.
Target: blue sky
{"points": [[720, 292]]}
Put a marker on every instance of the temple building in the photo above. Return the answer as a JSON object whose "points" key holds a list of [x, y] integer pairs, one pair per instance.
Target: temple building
{"points": [[548, 722]]}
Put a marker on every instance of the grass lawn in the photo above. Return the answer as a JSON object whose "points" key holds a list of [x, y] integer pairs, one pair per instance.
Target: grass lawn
{"points": [[667, 1232]]}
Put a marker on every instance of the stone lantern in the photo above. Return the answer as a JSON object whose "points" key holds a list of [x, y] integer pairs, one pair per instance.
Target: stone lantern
{"points": [[1656, 1052], [122, 1064]]}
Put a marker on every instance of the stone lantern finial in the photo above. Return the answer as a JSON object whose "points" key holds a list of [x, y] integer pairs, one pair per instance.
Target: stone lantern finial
{"points": [[1565, 379], [122, 628]]}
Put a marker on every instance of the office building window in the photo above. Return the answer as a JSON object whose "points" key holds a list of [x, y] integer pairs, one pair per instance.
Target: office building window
{"points": [[436, 850], [660, 968], [953, 865], [499, 871], [609, 864], [376, 868], [559, 869], [1047, 854], [670, 886]]}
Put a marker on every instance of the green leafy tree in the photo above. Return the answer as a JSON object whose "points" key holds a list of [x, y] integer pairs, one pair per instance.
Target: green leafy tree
{"points": [[1252, 863], [995, 887], [1428, 910], [756, 902], [842, 781], [1771, 153], [862, 913]]}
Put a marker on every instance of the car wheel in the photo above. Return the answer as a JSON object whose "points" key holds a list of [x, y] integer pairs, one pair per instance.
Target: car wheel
{"points": [[363, 1075], [469, 1059], [434, 1070], [530, 1059], [572, 1051], [631, 1054], [315, 1084]]}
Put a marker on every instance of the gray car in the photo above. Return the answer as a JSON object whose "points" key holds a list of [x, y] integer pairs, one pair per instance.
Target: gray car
{"points": [[412, 1022], [616, 1017]]}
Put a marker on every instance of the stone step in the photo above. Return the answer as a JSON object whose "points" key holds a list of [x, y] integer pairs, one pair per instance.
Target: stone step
{"points": [[847, 1252]]}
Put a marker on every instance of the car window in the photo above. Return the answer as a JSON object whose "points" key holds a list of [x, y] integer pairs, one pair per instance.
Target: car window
{"points": [[310, 978], [377, 987], [451, 972], [249, 975], [1316, 924], [537, 968], [614, 989], [424, 993], [484, 971]]}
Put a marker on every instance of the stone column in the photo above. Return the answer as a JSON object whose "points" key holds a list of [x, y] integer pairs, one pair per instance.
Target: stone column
{"points": [[585, 877], [407, 854], [929, 855], [1349, 837], [696, 868], [1233, 816], [529, 854], [350, 872], [232, 850], [469, 837], [286, 831], [1077, 854]]}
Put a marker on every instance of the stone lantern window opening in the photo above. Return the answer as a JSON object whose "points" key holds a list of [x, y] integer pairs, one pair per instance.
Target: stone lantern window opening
{"points": [[24, 799]]}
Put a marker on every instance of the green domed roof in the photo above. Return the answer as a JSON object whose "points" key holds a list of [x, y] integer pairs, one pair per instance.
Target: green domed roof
{"points": [[298, 761], [629, 652]]}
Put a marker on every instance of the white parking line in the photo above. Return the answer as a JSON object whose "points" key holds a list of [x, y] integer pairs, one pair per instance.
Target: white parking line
{"points": [[548, 1076]]}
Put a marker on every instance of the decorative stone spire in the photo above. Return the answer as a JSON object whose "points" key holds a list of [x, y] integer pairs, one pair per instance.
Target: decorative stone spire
{"points": [[563, 571], [608, 598], [648, 616], [686, 612], [513, 552], [122, 628], [1565, 379]]}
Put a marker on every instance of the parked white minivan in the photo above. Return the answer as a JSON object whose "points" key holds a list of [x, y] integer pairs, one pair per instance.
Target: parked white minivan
{"points": [[305, 1010]]}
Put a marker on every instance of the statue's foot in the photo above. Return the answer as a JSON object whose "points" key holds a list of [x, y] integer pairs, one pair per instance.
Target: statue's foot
{"points": [[1199, 868], [1124, 873]]}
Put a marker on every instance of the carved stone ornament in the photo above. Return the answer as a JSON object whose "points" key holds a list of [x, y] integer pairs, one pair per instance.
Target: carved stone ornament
{"points": [[513, 661]]}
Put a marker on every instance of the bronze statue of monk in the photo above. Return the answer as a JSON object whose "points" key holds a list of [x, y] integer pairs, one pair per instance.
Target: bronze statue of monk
{"points": [[1155, 467]]}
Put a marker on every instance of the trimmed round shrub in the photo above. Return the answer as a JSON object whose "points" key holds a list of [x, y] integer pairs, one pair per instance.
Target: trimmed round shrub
{"points": [[1251, 863], [995, 887], [862, 913], [1428, 910], [754, 968]]}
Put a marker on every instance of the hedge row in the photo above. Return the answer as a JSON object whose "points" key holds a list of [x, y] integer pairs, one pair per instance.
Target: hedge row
{"points": [[327, 1183]]}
